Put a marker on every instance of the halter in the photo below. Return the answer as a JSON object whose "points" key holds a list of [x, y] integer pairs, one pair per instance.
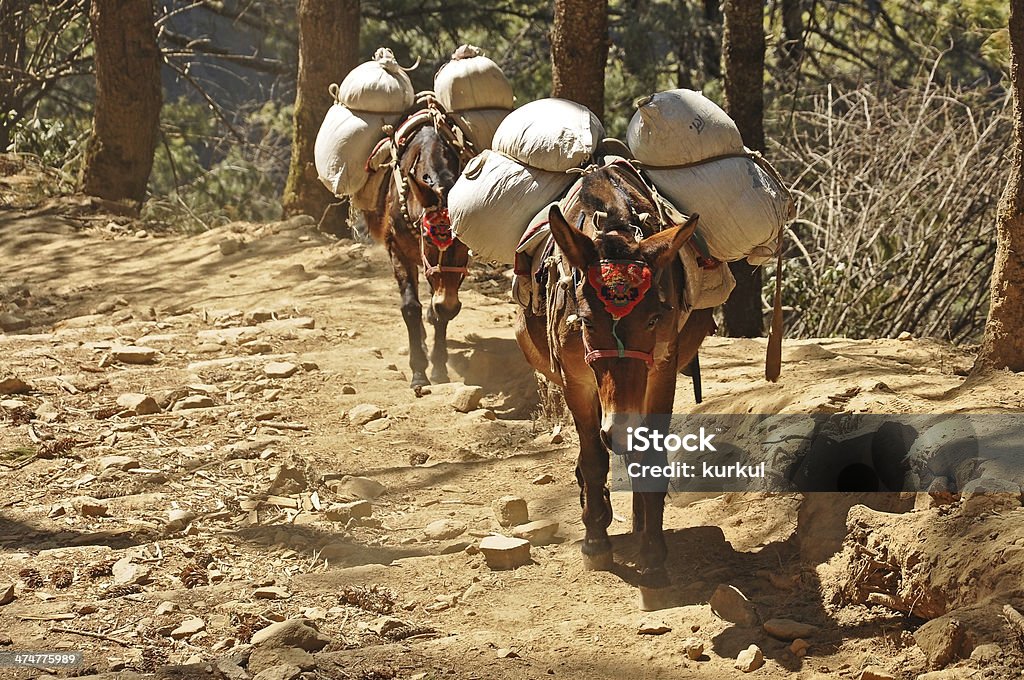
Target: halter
{"points": [[436, 227], [620, 285]]}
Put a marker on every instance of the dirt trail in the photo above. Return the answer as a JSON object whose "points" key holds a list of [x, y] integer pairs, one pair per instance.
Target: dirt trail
{"points": [[231, 470]]}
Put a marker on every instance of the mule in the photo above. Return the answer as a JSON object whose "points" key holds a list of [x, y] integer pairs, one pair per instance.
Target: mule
{"points": [[614, 336], [411, 220]]}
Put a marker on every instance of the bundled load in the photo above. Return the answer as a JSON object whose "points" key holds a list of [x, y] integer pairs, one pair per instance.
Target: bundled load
{"points": [[475, 91], [500, 191], [694, 154], [374, 94]]}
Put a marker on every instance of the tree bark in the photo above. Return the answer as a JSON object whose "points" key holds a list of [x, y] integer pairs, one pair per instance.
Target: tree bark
{"points": [[579, 52], [743, 47], [712, 45], [328, 50], [126, 117], [1003, 344], [791, 51], [13, 26]]}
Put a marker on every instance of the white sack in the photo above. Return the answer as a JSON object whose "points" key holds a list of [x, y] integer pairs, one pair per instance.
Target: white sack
{"points": [[378, 86], [742, 207], [479, 125], [550, 134], [680, 126], [343, 144], [472, 81], [495, 198]]}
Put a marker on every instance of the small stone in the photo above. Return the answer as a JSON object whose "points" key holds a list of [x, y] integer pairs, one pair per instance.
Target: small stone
{"points": [[385, 624], [876, 673], [989, 494], [444, 529], [133, 354], [348, 388], [178, 519], [391, 367], [537, 532], [905, 335], [343, 512], [188, 628], [310, 366], [87, 506], [126, 572], [364, 413], [787, 629], [285, 671], [543, 479], [750, 659], [301, 633], [694, 648], [229, 246], [653, 627], [9, 323], [166, 607], [138, 404], [194, 401], [118, 463], [730, 604], [984, 654], [378, 425], [358, 487], [511, 511], [280, 369], [507, 653], [6, 594], [502, 552], [271, 593], [467, 398], [12, 384], [799, 647]]}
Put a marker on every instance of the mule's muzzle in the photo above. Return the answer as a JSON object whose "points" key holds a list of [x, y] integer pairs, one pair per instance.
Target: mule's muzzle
{"points": [[616, 429]]}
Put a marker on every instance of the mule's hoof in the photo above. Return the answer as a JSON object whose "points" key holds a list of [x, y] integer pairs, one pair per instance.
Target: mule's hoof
{"points": [[601, 561], [652, 599], [439, 378], [419, 381]]}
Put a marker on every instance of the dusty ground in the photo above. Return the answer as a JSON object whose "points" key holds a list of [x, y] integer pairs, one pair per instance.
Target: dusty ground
{"points": [[257, 474]]}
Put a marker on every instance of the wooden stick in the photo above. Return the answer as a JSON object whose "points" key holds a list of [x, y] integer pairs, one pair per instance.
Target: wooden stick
{"points": [[89, 633]]}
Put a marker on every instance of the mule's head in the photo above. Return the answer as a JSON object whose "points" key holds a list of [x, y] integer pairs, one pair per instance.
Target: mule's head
{"points": [[432, 166], [620, 310]]}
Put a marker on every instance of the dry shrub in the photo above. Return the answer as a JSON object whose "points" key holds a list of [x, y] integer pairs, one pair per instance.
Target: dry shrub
{"points": [[897, 192]]}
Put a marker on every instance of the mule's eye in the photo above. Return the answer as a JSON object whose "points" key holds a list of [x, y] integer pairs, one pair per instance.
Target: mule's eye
{"points": [[426, 178], [654, 321]]}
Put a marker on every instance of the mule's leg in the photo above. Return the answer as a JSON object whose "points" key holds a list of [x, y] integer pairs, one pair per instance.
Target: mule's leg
{"points": [[592, 475], [439, 317], [412, 312]]}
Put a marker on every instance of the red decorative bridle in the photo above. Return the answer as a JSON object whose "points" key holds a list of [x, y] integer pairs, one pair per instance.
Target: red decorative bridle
{"points": [[436, 226], [620, 285]]}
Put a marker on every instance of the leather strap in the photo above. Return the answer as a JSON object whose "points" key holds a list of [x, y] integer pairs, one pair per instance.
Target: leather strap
{"points": [[773, 356]]}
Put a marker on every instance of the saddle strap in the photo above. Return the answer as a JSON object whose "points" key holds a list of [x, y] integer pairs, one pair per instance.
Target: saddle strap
{"points": [[773, 357]]}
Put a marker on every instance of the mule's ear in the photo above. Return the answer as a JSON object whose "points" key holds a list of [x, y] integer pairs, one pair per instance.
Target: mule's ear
{"points": [[659, 250], [579, 249]]}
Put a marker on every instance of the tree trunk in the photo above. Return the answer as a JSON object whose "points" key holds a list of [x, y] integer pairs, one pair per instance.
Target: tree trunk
{"points": [[712, 44], [126, 117], [579, 52], [1003, 345], [13, 25], [791, 51], [743, 48], [328, 50]]}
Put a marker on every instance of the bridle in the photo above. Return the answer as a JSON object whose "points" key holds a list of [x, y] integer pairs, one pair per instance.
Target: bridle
{"points": [[436, 226], [630, 281]]}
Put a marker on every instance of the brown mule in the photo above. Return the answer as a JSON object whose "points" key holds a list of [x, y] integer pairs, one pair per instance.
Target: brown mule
{"points": [[615, 337], [411, 219]]}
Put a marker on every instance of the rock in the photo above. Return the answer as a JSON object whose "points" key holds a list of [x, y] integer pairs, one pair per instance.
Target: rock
{"points": [[730, 604], [280, 672], [271, 593], [263, 658], [905, 335], [138, 404], [989, 494], [467, 398], [799, 647], [750, 659], [194, 401], [948, 674], [12, 384], [653, 627], [543, 479], [984, 654], [364, 413], [125, 572], [310, 366], [378, 425], [118, 463], [348, 388], [358, 487], [166, 607], [229, 246], [6, 594], [178, 519], [280, 369], [47, 412], [87, 506], [502, 552], [133, 354], [188, 628], [343, 512], [511, 511], [383, 625], [694, 648], [537, 532], [875, 673], [787, 629], [9, 323], [943, 640], [443, 529], [301, 633]]}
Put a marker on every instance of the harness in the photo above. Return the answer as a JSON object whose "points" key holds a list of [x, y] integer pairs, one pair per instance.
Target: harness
{"points": [[434, 223]]}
